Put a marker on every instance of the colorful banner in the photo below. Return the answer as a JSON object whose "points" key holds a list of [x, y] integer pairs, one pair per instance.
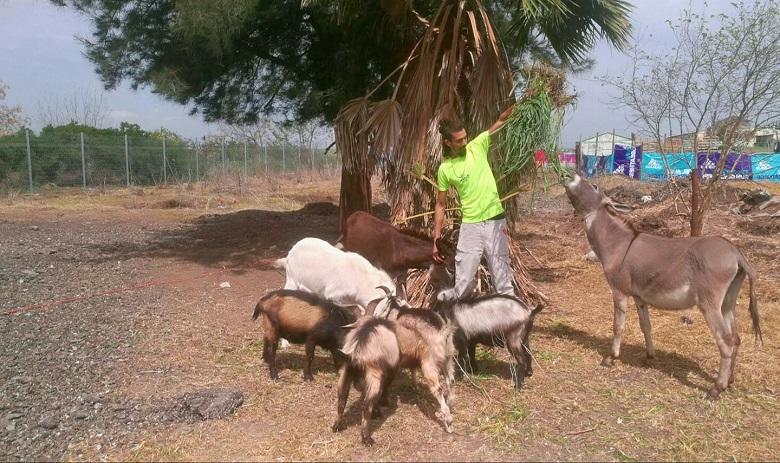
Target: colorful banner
{"points": [[593, 166], [655, 165], [765, 167], [737, 167], [627, 161]]}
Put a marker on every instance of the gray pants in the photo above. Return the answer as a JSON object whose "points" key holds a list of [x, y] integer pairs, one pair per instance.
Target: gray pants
{"points": [[488, 238]]}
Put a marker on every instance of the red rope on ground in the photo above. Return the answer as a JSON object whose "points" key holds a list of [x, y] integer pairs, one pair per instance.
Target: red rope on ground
{"points": [[128, 288]]}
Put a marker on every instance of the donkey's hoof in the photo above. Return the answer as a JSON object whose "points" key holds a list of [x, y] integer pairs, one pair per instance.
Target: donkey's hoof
{"points": [[712, 394]]}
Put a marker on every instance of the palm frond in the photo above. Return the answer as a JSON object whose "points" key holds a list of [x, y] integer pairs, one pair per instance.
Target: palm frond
{"points": [[384, 128], [351, 135]]}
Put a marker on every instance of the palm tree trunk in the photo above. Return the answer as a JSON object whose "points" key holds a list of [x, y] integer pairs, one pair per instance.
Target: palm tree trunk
{"points": [[355, 194]]}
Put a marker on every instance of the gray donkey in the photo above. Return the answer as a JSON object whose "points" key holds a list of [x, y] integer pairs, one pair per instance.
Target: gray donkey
{"points": [[668, 273]]}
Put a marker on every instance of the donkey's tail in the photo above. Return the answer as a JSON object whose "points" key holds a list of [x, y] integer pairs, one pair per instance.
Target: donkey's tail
{"points": [[753, 307]]}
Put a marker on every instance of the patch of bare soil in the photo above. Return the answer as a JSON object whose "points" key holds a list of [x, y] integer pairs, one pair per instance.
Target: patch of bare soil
{"points": [[126, 334]]}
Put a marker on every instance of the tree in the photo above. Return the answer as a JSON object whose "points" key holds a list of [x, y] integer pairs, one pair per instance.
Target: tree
{"points": [[237, 59], [11, 117], [720, 77], [82, 106]]}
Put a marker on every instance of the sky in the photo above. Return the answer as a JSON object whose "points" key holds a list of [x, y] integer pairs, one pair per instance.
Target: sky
{"points": [[41, 58]]}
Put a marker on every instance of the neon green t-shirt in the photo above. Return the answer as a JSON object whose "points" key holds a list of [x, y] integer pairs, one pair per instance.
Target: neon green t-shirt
{"points": [[473, 179]]}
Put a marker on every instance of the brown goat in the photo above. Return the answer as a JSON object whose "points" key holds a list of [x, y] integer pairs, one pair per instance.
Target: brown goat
{"points": [[374, 355], [424, 341], [302, 318], [395, 250]]}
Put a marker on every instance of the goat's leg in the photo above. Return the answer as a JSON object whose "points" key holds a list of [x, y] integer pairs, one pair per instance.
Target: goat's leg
{"points": [[346, 373], [620, 302], [400, 284], [269, 355], [461, 346], [472, 356], [431, 372], [384, 400], [372, 391], [726, 341], [307, 376], [644, 323]]}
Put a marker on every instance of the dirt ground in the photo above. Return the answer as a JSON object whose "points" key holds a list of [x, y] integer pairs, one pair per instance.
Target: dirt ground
{"points": [[114, 305]]}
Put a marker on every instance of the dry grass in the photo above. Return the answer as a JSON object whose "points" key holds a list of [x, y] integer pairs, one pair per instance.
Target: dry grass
{"points": [[571, 409]]}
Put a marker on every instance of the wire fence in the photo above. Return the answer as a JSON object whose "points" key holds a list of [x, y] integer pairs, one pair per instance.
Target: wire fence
{"points": [[90, 161]]}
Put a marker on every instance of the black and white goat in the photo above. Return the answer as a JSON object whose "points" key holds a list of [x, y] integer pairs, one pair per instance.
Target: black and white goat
{"points": [[492, 320], [302, 318], [420, 339]]}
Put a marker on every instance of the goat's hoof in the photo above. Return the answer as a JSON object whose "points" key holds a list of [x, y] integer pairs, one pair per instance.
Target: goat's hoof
{"points": [[274, 377], [376, 414], [518, 386], [384, 402], [368, 441], [308, 379], [337, 427], [607, 361]]}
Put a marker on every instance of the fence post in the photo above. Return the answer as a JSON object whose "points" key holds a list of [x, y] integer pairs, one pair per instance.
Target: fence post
{"points": [[127, 161], [29, 159], [165, 162], [197, 165], [83, 163], [223, 155]]}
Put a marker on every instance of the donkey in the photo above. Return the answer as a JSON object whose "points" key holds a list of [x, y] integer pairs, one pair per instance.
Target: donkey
{"points": [[668, 273]]}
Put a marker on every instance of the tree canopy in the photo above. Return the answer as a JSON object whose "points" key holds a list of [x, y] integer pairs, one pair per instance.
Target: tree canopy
{"points": [[234, 60]]}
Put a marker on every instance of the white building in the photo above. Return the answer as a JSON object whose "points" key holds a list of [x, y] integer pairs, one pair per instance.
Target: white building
{"points": [[602, 144]]}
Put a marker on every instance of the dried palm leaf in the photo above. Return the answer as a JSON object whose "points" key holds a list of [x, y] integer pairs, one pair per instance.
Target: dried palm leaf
{"points": [[352, 136]]}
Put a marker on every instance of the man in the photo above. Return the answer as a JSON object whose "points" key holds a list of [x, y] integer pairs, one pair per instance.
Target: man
{"points": [[483, 227]]}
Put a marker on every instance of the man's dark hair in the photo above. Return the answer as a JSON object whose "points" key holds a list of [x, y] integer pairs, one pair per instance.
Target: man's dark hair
{"points": [[448, 127]]}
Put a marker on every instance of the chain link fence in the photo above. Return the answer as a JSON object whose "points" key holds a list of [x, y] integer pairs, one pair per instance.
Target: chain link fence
{"points": [[90, 161]]}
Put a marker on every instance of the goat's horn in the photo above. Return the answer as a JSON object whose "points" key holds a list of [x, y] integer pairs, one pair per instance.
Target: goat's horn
{"points": [[385, 289], [371, 307], [350, 326]]}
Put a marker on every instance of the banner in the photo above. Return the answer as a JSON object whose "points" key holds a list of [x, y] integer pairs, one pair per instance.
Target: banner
{"points": [[655, 165], [765, 167], [594, 166], [737, 167], [627, 161]]}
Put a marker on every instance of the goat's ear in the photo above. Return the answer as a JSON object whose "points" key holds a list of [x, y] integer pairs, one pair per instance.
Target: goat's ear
{"points": [[371, 307]]}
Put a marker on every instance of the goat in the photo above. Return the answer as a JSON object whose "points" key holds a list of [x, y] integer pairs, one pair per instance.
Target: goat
{"points": [[424, 341], [493, 320], [346, 278], [302, 318], [373, 358], [395, 251], [668, 273]]}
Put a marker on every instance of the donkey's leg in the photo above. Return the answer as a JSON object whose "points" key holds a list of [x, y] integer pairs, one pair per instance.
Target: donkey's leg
{"points": [[619, 323], [727, 310], [644, 323], [725, 341]]}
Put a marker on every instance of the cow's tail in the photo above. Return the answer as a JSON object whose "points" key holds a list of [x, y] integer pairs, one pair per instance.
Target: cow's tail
{"points": [[753, 307]]}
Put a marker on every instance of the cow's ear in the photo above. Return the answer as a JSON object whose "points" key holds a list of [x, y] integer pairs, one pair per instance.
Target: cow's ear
{"points": [[619, 207]]}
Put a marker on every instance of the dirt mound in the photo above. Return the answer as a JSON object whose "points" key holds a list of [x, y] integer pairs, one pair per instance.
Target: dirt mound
{"points": [[760, 226], [320, 208]]}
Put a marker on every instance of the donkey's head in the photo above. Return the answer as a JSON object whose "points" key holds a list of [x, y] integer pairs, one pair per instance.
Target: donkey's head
{"points": [[587, 198]]}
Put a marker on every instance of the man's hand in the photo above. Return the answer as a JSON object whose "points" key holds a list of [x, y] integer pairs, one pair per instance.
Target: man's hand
{"points": [[436, 256]]}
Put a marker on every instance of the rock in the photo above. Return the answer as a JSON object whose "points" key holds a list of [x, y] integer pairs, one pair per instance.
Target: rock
{"points": [[755, 197], [30, 273], [35, 228], [210, 404], [591, 256], [224, 285], [646, 198], [49, 422]]}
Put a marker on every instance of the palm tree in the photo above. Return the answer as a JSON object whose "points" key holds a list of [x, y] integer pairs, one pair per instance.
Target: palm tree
{"points": [[460, 67]]}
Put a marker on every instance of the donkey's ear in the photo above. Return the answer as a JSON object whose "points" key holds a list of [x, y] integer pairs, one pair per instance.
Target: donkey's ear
{"points": [[619, 207]]}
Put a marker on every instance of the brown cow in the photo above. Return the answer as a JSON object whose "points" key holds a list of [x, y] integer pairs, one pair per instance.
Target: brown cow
{"points": [[668, 273]]}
